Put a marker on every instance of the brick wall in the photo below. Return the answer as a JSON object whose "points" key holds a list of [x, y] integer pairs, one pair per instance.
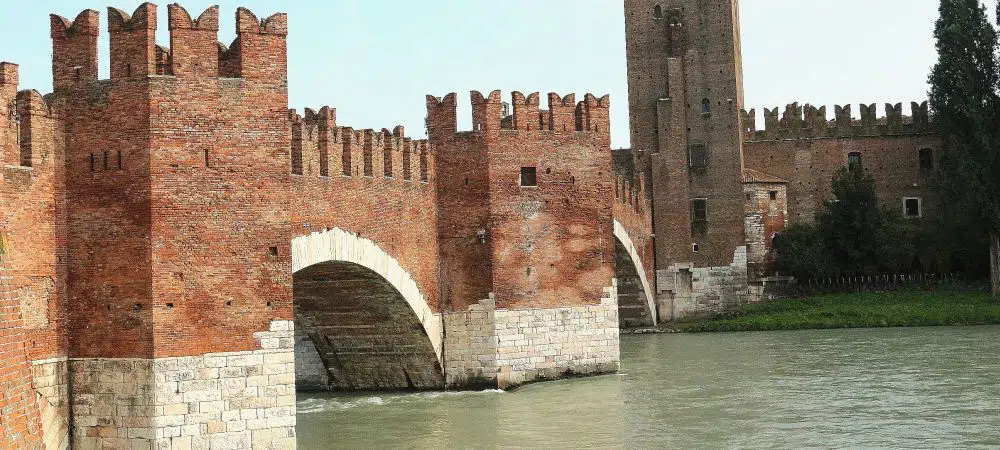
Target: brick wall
{"points": [[33, 194], [21, 425], [807, 150], [632, 216], [394, 206], [220, 184], [766, 215], [686, 90]]}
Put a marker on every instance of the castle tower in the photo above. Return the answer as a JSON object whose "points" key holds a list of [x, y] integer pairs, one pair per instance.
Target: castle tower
{"points": [[180, 266], [524, 213], [686, 94]]}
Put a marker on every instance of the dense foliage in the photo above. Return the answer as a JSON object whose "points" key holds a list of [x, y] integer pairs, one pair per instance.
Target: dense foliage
{"points": [[966, 106], [852, 235]]}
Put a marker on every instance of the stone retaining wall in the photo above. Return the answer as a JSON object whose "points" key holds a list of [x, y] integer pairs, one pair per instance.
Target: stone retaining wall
{"points": [[507, 348], [685, 292], [51, 382], [219, 400]]}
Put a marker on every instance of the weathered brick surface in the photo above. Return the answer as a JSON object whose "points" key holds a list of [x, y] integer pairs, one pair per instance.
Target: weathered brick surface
{"points": [[32, 195], [766, 216], [21, 424], [547, 245], [807, 150], [634, 252], [685, 90]]}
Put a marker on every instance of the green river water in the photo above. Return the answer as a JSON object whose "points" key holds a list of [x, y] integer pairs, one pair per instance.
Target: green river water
{"points": [[889, 388]]}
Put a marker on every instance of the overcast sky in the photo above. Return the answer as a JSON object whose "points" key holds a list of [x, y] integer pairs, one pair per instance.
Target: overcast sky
{"points": [[374, 60]]}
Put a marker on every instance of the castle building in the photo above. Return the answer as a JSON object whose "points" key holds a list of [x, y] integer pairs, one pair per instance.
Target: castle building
{"points": [[719, 190], [180, 252]]}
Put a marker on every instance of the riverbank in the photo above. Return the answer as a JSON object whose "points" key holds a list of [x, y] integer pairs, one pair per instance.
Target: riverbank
{"points": [[861, 310]]}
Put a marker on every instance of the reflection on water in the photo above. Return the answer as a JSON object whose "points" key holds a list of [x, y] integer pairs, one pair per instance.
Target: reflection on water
{"points": [[897, 388]]}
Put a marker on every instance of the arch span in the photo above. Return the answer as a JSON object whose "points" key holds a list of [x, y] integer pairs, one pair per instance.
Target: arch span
{"points": [[626, 243], [357, 302]]}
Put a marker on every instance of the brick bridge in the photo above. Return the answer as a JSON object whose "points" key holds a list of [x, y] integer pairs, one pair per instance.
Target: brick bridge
{"points": [[176, 240]]}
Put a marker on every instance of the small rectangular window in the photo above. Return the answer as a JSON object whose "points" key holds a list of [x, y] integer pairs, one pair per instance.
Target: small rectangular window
{"points": [[698, 156], [926, 160], [529, 176], [854, 160], [699, 210], [773, 195], [912, 208]]}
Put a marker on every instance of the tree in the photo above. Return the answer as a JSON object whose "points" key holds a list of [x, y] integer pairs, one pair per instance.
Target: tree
{"points": [[963, 97], [853, 234], [801, 253], [861, 236]]}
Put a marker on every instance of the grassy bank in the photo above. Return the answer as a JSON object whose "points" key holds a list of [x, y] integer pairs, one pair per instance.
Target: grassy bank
{"points": [[862, 310]]}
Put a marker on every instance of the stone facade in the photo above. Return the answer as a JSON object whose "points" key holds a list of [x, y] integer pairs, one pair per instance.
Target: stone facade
{"points": [[686, 291], [217, 400], [51, 383], [506, 348]]}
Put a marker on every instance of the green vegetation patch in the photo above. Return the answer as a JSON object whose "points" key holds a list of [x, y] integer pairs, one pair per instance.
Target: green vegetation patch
{"points": [[863, 310]]}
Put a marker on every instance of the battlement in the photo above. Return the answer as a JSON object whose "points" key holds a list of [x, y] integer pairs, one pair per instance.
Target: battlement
{"points": [[321, 148], [810, 122], [565, 114], [258, 53], [629, 195], [25, 115]]}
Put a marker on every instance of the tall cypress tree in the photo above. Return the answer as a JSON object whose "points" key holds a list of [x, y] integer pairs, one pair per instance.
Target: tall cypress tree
{"points": [[963, 96]]}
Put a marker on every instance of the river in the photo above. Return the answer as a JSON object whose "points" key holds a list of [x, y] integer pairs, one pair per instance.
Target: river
{"points": [[887, 388]]}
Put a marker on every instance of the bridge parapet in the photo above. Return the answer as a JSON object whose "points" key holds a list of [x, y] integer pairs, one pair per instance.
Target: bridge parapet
{"points": [[634, 251]]}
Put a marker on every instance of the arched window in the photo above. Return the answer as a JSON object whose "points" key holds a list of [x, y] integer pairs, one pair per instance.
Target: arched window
{"points": [[706, 106], [658, 12]]}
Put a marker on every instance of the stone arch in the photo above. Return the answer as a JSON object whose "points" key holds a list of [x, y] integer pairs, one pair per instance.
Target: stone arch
{"points": [[341, 251], [623, 238]]}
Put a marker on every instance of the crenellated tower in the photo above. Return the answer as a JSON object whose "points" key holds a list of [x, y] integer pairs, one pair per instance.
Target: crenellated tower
{"points": [[177, 184], [686, 95]]}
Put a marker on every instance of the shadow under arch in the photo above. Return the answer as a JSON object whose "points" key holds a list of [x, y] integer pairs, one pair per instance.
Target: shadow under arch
{"points": [[361, 321], [636, 304]]}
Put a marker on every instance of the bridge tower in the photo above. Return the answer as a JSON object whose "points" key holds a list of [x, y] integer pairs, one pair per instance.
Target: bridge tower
{"points": [[180, 266], [685, 94]]}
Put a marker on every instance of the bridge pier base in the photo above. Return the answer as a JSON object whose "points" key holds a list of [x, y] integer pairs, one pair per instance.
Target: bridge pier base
{"points": [[489, 347], [219, 400]]}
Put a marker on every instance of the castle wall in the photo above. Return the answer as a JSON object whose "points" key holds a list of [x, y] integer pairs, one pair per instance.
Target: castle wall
{"points": [[766, 216], [548, 239], [219, 180], [108, 213], [243, 399], [686, 91], [21, 424], [394, 205], [807, 153], [632, 213], [32, 214], [462, 186]]}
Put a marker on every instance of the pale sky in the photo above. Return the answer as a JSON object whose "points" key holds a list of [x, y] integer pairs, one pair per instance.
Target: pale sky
{"points": [[375, 60]]}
